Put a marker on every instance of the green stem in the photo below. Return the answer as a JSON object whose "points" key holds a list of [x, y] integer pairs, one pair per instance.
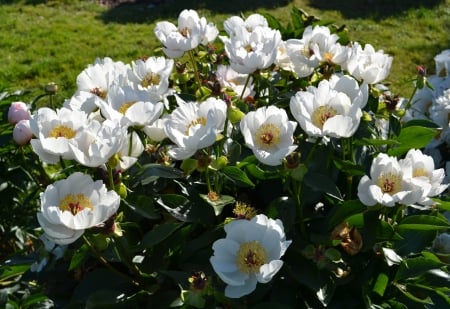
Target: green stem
{"points": [[194, 65], [245, 86], [107, 264], [110, 177]]}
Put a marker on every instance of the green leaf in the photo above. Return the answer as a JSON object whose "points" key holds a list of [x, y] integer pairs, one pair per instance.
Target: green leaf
{"points": [[349, 167], [184, 209], [238, 176], [344, 210], [375, 142], [412, 297], [323, 183], [414, 267], [381, 284], [413, 137], [79, 256], [158, 234], [219, 204], [443, 205], [142, 205], [421, 123], [423, 223], [10, 271], [283, 208], [152, 171]]}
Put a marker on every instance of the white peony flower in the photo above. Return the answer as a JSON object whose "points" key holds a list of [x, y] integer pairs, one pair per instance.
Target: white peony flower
{"points": [[98, 143], [367, 64], [156, 131], [316, 46], [97, 78], [389, 183], [71, 205], [249, 253], [191, 32], [234, 24], [442, 61], [129, 152], [425, 176], [193, 126], [132, 107], [152, 75], [250, 51], [229, 78], [269, 134], [325, 111], [54, 131]]}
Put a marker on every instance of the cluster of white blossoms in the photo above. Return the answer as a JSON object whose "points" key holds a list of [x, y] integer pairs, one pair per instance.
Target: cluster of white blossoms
{"points": [[98, 127], [411, 181]]}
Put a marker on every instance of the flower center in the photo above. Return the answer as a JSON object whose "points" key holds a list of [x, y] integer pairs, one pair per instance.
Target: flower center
{"points": [[75, 203], [322, 114], [199, 121], [62, 131], [389, 183], [151, 79], [267, 135], [418, 172], [251, 256], [125, 106], [328, 57], [99, 92], [186, 32]]}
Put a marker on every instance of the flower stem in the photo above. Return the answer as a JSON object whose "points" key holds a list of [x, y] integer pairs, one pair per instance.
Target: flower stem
{"points": [[107, 264], [194, 65], [245, 86]]}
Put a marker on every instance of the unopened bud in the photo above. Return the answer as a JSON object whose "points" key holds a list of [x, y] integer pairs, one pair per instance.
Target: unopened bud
{"points": [[51, 88], [18, 111], [22, 132]]}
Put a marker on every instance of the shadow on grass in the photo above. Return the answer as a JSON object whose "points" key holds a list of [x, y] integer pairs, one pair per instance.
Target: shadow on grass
{"points": [[145, 11], [374, 9]]}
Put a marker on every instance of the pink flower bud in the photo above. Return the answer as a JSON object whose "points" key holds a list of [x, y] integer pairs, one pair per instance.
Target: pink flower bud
{"points": [[18, 111], [22, 132]]}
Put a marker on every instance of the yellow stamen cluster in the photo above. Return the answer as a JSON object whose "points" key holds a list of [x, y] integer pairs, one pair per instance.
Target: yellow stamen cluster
{"points": [[62, 131], [267, 135], [418, 172], [99, 92], [251, 256], [198, 121], [151, 79], [74, 203], [244, 211], [390, 183], [322, 114], [125, 106]]}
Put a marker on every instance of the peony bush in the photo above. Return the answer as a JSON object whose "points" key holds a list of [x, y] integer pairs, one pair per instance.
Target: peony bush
{"points": [[257, 165]]}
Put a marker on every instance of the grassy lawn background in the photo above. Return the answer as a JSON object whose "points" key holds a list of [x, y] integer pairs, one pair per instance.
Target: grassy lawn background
{"points": [[53, 41]]}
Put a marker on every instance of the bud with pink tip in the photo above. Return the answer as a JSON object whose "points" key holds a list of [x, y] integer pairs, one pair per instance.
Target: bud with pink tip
{"points": [[22, 132], [18, 111]]}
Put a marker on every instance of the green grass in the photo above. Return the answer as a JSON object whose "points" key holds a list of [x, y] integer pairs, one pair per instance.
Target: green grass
{"points": [[53, 41]]}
